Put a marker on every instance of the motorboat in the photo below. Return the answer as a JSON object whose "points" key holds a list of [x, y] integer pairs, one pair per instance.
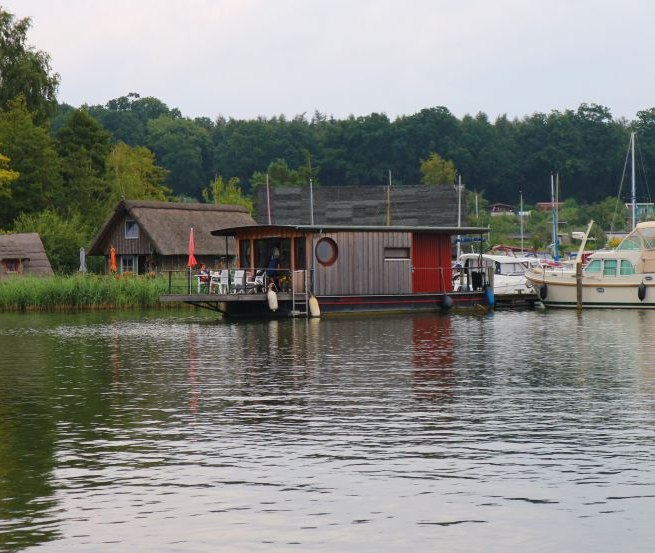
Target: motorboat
{"points": [[508, 273], [623, 277]]}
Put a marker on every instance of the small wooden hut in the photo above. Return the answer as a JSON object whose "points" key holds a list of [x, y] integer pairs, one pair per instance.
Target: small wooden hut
{"points": [[151, 236], [23, 254]]}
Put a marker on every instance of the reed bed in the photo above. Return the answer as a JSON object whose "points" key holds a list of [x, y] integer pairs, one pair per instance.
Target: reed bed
{"points": [[61, 293]]}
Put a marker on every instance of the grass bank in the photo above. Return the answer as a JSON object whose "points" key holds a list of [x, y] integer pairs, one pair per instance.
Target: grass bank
{"points": [[61, 293]]}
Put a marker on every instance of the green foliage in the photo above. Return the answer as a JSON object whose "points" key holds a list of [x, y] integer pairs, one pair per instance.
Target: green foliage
{"points": [[279, 174], [24, 70], [7, 176], [132, 174], [436, 170], [33, 155], [62, 237], [230, 193], [184, 149], [28, 293], [83, 146]]}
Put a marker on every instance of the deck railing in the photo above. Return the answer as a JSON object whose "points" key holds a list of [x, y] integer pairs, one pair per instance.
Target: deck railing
{"points": [[193, 282]]}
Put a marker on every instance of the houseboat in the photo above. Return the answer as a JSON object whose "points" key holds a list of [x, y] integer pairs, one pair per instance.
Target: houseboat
{"points": [[300, 270]]}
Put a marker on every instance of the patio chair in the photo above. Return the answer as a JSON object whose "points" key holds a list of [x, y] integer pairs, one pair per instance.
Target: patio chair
{"points": [[258, 285], [239, 282]]}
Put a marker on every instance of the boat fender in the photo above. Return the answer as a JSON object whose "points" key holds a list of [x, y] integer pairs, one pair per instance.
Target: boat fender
{"points": [[641, 291], [543, 291], [447, 302], [314, 309], [489, 293], [272, 300]]}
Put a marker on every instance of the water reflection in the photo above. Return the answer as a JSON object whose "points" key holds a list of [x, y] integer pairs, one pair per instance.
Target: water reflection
{"points": [[174, 431]]}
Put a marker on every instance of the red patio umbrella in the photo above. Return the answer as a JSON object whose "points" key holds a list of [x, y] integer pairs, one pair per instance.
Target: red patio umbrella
{"points": [[192, 258], [112, 259]]}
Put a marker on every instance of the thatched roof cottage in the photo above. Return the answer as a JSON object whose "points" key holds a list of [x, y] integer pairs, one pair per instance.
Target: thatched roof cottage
{"points": [[151, 236], [23, 254]]}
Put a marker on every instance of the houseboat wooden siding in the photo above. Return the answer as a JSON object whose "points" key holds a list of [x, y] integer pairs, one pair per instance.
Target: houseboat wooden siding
{"points": [[362, 266]]}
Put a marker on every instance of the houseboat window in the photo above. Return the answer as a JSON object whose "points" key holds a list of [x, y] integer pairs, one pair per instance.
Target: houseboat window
{"points": [[326, 251], [10, 265], [593, 266], [396, 253], [244, 253], [131, 229], [627, 268], [609, 268]]}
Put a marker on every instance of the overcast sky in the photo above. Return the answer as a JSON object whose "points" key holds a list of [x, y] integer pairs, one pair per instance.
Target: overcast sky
{"points": [[249, 58]]}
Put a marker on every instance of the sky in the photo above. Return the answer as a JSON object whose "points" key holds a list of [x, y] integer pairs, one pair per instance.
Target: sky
{"points": [[244, 59]]}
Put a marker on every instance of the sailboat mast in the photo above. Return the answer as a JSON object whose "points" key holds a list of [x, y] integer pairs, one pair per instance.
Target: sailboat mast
{"points": [[554, 211], [459, 215], [634, 191]]}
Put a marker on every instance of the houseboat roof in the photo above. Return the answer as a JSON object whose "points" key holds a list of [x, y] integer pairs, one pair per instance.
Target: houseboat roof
{"points": [[233, 231]]}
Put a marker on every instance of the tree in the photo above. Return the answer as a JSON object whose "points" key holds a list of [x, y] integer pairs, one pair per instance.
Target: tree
{"points": [[24, 70], [62, 237], [33, 155], [436, 170], [132, 174], [184, 149], [7, 176], [230, 193], [83, 146]]}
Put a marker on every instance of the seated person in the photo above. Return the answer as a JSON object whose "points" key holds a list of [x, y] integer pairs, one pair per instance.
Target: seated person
{"points": [[204, 273]]}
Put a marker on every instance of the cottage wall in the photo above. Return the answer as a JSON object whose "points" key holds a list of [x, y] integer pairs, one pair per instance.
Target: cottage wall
{"points": [[127, 246]]}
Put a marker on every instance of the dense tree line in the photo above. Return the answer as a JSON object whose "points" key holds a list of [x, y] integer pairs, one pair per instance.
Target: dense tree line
{"points": [[65, 167], [585, 146]]}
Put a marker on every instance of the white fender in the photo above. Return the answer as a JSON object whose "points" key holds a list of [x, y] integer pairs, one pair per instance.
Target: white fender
{"points": [[314, 309], [272, 300]]}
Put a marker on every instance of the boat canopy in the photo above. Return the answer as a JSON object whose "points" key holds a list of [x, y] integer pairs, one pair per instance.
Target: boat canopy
{"points": [[641, 238]]}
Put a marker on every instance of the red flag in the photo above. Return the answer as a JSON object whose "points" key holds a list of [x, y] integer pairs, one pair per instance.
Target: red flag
{"points": [[192, 258]]}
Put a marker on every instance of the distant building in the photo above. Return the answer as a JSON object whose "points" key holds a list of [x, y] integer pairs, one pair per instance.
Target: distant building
{"points": [[548, 206], [150, 236], [23, 254], [501, 209]]}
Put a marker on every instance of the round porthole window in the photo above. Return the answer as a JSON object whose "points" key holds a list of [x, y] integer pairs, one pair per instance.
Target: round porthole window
{"points": [[326, 251]]}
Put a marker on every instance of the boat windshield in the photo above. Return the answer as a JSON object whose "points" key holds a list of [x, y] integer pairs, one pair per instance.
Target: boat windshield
{"points": [[640, 238]]}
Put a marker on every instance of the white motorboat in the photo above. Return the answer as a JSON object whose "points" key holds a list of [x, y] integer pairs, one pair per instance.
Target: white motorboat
{"points": [[508, 273], [620, 278]]}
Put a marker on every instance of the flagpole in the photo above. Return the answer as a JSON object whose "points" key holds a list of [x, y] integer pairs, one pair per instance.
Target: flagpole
{"points": [[268, 199]]}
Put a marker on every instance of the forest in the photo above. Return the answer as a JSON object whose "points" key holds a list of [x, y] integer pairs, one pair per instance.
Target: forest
{"points": [[63, 168]]}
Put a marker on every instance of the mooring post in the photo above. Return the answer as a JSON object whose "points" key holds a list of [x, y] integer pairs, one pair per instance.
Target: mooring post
{"points": [[578, 285]]}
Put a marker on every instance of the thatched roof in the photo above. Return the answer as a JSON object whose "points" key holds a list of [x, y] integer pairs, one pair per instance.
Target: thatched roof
{"points": [[167, 225], [362, 205], [28, 249]]}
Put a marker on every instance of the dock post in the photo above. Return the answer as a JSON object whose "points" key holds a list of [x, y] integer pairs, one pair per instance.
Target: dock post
{"points": [[578, 285]]}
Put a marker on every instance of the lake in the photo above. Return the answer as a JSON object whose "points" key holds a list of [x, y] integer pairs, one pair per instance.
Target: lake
{"points": [[177, 431]]}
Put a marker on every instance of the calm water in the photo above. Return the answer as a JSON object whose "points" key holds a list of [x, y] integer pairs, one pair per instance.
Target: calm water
{"points": [[525, 431]]}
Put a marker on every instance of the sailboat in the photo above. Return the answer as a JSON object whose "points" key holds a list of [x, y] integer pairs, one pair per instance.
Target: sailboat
{"points": [[623, 277]]}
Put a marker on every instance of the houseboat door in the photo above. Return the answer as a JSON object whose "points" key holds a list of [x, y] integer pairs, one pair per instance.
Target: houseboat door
{"points": [[431, 263]]}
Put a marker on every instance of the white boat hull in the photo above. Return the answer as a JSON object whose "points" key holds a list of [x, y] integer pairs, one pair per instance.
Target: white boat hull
{"points": [[560, 290]]}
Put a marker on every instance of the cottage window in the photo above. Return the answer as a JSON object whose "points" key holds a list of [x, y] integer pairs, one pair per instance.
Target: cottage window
{"points": [[129, 264], [326, 251], [131, 230], [11, 265]]}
